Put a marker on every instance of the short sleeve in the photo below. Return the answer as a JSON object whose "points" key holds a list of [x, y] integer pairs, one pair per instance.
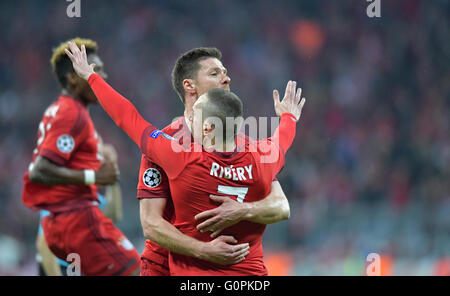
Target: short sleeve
{"points": [[64, 133], [153, 181]]}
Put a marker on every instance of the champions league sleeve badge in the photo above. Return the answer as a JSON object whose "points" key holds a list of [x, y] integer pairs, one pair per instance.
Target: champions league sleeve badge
{"points": [[152, 178]]}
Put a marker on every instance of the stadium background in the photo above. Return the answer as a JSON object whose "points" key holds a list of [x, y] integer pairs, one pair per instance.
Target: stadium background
{"points": [[368, 167]]}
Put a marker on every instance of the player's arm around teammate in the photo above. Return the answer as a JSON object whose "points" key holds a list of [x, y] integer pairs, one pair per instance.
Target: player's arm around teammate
{"points": [[220, 250], [134, 126], [159, 230], [274, 207]]}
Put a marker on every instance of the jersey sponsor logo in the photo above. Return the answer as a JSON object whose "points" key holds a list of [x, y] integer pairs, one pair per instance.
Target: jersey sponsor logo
{"points": [[152, 178], [65, 143]]}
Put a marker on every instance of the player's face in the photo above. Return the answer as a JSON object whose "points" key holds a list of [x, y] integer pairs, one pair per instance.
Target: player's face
{"points": [[212, 74]]}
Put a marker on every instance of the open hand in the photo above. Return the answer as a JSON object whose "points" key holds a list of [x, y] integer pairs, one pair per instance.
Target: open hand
{"points": [[79, 60], [291, 102]]}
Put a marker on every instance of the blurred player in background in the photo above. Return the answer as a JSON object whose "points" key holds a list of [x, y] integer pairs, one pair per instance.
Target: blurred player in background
{"points": [[64, 173], [111, 205], [195, 72], [193, 175]]}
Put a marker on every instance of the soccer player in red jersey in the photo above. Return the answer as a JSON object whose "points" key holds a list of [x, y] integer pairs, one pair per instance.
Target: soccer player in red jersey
{"points": [[110, 202], [194, 73], [64, 173], [218, 167]]}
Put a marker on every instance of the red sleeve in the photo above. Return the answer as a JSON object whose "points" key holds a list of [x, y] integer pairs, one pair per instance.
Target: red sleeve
{"points": [[166, 152], [153, 182], [122, 111], [271, 151], [63, 133], [156, 145], [285, 133]]}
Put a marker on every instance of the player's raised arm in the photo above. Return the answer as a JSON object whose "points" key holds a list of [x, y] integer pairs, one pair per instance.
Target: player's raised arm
{"points": [[125, 115], [118, 108], [289, 110]]}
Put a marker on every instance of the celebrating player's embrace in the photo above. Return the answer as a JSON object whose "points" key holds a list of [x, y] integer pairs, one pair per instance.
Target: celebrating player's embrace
{"points": [[190, 174]]}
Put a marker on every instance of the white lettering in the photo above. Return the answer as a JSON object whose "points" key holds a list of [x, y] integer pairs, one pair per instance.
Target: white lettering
{"points": [[74, 269], [374, 8], [374, 266], [74, 8], [231, 173], [233, 170], [240, 172], [227, 173], [214, 168], [249, 171]]}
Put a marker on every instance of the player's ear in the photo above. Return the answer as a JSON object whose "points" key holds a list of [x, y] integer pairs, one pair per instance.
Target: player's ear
{"points": [[71, 79], [189, 86]]}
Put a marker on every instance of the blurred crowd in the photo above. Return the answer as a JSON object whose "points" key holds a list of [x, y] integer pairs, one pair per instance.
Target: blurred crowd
{"points": [[367, 172]]}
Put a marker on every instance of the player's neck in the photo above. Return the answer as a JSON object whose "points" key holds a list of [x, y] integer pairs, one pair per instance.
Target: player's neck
{"points": [[187, 119], [224, 147], [189, 101]]}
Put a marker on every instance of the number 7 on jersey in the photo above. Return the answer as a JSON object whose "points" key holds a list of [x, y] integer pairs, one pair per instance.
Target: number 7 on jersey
{"points": [[240, 192]]}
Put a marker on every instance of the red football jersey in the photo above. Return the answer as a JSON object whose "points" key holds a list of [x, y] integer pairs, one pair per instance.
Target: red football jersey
{"points": [[153, 183], [68, 138], [194, 176]]}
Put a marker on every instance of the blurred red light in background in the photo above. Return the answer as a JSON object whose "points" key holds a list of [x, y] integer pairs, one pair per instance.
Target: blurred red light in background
{"points": [[307, 37]]}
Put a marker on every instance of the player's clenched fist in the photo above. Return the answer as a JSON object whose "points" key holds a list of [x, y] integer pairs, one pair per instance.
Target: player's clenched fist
{"points": [[291, 102], [108, 174], [223, 251]]}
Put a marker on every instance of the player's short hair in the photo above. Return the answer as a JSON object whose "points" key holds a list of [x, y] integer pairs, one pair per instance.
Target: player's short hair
{"points": [[187, 66], [61, 63], [224, 104]]}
